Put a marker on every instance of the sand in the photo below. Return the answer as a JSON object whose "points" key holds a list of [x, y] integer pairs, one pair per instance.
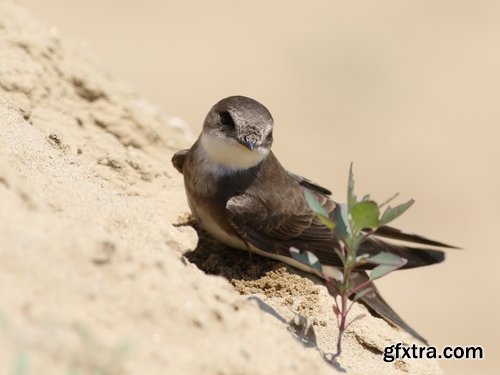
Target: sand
{"points": [[101, 272]]}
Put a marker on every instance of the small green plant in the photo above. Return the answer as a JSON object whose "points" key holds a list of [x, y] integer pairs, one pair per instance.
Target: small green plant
{"points": [[352, 224]]}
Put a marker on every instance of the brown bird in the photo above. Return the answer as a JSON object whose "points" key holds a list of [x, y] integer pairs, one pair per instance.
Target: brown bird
{"points": [[241, 195]]}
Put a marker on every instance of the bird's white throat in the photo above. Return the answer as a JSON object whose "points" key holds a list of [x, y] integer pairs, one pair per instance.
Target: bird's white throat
{"points": [[230, 154]]}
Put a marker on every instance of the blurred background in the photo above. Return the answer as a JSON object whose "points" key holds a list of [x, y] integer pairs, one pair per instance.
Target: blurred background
{"points": [[408, 91]]}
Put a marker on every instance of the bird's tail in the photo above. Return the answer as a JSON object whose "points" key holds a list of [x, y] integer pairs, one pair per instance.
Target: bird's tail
{"points": [[374, 301]]}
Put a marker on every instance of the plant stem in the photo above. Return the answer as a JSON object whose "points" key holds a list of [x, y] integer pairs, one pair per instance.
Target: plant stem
{"points": [[344, 298], [342, 323]]}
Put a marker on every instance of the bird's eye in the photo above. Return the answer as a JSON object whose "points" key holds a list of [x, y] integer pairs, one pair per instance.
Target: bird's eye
{"points": [[226, 119]]}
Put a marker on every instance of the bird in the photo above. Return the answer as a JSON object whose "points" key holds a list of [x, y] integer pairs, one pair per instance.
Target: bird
{"points": [[240, 194]]}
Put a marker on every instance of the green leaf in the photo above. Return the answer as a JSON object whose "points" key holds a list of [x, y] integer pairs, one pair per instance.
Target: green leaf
{"points": [[362, 293], [393, 213], [307, 258], [388, 259], [318, 209], [385, 269], [365, 215], [356, 318], [21, 365], [351, 197], [336, 310], [388, 200], [381, 270], [314, 204], [327, 222], [362, 259], [333, 287], [342, 229], [366, 198]]}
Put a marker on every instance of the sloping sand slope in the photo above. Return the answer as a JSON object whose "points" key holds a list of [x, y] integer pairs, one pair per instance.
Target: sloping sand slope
{"points": [[93, 277]]}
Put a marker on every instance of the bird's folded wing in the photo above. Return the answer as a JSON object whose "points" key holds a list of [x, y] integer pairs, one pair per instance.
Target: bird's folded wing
{"points": [[275, 225], [310, 184]]}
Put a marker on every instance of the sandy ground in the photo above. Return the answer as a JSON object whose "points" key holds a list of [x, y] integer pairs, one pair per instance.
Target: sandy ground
{"points": [[101, 271], [409, 91]]}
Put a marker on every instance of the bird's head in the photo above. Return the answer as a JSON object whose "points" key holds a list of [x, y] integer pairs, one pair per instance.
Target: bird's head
{"points": [[237, 132]]}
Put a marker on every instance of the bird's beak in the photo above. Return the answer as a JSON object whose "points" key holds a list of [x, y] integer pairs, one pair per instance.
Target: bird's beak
{"points": [[249, 143]]}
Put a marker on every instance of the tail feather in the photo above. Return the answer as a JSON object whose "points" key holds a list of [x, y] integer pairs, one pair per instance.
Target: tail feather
{"points": [[421, 257], [416, 257], [396, 234], [376, 303]]}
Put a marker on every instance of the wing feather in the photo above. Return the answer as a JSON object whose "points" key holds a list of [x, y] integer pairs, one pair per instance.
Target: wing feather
{"points": [[275, 225]]}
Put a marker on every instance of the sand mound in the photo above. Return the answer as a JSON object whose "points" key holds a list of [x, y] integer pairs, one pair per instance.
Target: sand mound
{"points": [[92, 269]]}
